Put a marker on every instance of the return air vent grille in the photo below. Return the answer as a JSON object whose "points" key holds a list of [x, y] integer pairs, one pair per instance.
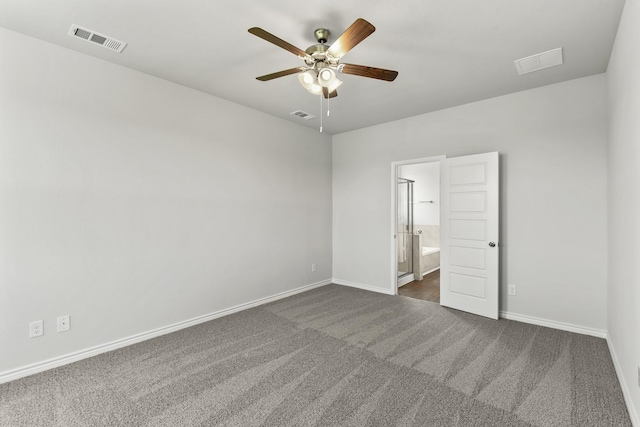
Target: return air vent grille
{"points": [[99, 39], [540, 61], [303, 115]]}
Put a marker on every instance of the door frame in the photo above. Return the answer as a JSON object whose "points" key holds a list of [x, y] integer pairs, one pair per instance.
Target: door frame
{"points": [[395, 166]]}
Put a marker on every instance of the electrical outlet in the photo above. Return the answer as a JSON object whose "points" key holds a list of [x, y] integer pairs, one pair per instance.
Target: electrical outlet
{"points": [[512, 290], [638, 376], [63, 323], [36, 329], [313, 267]]}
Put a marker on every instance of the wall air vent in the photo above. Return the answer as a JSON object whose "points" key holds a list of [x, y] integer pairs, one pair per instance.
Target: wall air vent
{"points": [[540, 61], [303, 115], [99, 39]]}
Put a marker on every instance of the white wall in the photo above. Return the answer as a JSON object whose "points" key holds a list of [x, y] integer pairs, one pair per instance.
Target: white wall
{"points": [[131, 203], [426, 187], [552, 142], [623, 299]]}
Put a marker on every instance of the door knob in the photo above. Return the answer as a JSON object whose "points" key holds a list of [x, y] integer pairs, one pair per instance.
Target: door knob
{"points": [[492, 244]]}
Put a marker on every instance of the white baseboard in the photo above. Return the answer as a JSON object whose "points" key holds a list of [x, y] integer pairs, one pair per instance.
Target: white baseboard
{"points": [[55, 362], [633, 412], [555, 325], [364, 287]]}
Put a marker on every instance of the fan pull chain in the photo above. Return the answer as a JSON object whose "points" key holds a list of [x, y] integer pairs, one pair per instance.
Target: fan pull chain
{"points": [[328, 101], [320, 112]]}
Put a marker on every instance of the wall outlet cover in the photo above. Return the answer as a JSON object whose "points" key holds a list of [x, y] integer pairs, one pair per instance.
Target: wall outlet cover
{"points": [[512, 289], [63, 323], [36, 329]]}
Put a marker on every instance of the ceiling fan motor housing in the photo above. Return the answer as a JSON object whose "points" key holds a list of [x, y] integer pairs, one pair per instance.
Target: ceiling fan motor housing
{"points": [[317, 51]]}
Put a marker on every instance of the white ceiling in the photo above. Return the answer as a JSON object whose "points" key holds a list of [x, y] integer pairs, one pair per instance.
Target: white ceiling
{"points": [[447, 52]]}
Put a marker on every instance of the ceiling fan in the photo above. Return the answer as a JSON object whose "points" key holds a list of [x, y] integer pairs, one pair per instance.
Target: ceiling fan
{"points": [[318, 75]]}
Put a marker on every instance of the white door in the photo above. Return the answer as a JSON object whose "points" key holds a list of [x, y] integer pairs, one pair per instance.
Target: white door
{"points": [[469, 234]]}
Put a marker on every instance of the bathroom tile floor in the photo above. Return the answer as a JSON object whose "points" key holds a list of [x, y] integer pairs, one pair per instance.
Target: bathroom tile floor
{"points": [[427, 289]]}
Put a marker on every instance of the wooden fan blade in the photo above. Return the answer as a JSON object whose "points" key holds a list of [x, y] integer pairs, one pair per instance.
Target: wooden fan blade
{"points": [[357, 32], [371, 72], [278, 42], [325, 92], [280, 74]]}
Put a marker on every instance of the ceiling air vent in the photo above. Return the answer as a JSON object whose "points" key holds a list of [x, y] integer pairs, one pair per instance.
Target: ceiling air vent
{"points": [[97, 38], [540, 61], [302, 115]]}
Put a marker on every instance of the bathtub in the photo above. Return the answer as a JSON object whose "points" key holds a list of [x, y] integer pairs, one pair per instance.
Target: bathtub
{"points": [[426, 250], [430, 259]]}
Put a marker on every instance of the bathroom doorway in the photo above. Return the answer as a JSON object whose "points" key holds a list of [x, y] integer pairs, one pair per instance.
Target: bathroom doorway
{"points": [[418, 230]]}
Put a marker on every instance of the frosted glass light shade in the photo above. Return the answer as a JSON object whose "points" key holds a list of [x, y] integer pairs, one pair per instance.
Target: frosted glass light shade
{"points": [[309, 80], [327, 78]]}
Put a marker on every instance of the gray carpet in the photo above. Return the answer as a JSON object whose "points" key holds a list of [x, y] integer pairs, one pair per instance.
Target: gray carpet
{"points": [[334, 356]]}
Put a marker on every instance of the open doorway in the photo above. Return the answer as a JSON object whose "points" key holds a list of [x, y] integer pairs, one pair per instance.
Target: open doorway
{"points": [[467, 246], [418, 230]]}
